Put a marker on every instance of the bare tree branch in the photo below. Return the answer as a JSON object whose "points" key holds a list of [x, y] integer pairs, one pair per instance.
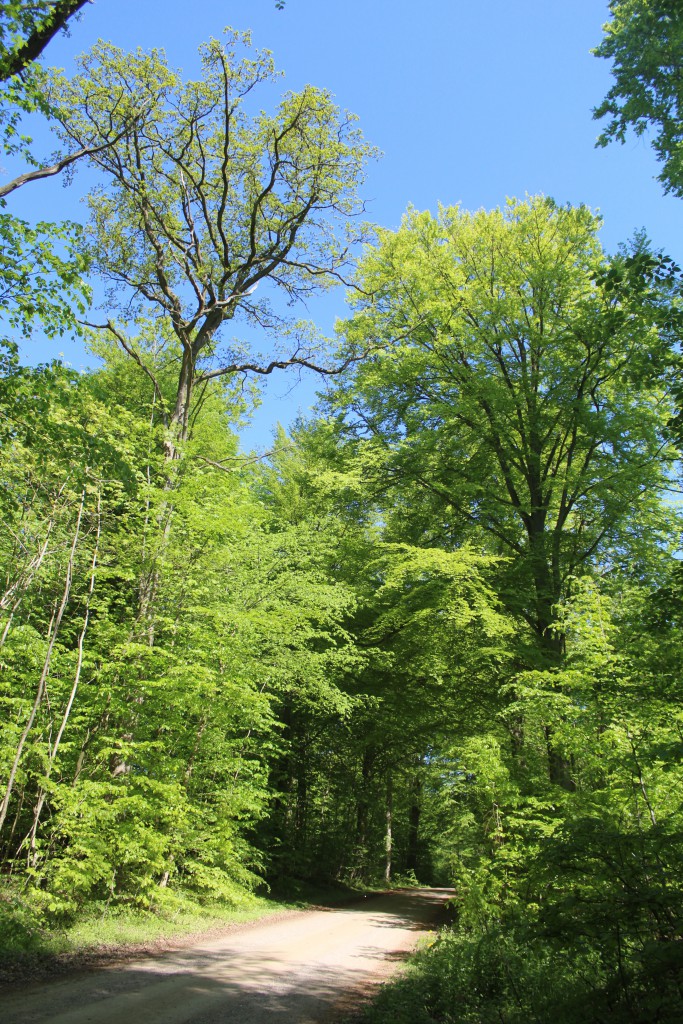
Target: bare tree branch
{"points": [[241, 460], [283, 364], [57, 168], [129, 350]]}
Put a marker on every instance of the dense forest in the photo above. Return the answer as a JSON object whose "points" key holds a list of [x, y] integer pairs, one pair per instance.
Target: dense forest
{"points": [[434, 635]]}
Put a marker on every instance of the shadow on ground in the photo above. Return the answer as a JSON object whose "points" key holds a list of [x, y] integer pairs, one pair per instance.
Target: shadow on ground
{"points": [[301, 969]]}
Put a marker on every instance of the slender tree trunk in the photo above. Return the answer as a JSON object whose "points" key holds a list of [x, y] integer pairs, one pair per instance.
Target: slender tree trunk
{"points": [[17, 816], [81, 757], [388, 837], [52, 634], [42, 794], [301, 811], [641, 780], [414, 815], [515, 727], [362, 809], [15, 593]]}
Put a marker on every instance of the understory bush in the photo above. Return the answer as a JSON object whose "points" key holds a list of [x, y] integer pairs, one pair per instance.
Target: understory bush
{"points": [[511, 977]]}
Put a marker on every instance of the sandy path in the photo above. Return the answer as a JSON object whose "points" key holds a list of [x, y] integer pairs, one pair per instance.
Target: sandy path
{"points": [[299, 970]]}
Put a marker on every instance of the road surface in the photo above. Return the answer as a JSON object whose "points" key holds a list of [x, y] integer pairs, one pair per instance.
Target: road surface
{"points": [[307, 968]]}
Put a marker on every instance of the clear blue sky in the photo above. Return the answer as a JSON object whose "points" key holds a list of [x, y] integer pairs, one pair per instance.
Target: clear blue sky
{"points": [[469, 102]]}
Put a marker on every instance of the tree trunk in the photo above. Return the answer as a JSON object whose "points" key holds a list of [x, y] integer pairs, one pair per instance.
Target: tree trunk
{"points": [[301, 810], [388, 838], [362, 810], [14, 594], [414, 823], [52, 634], [42, 793], [552, 648]]}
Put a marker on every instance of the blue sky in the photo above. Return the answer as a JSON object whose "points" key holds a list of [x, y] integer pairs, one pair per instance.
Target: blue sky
{"points": [[469, 102]]}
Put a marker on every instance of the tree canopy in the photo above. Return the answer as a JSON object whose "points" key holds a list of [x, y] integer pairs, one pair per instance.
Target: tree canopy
{"points": [[516, 395], [204, 201], [433, 636], [644, 41]]}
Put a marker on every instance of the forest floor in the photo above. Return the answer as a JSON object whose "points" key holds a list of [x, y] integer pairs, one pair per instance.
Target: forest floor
{"points": [[297, 967]]}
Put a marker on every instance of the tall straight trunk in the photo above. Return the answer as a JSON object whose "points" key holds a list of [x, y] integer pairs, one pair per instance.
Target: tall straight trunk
{"points": [[53, 632], [559, 766], [546, 584], [180, 417], [301, 809], [414, 815], [362, 804], [388, 837], [42, 793], [148, 586]]}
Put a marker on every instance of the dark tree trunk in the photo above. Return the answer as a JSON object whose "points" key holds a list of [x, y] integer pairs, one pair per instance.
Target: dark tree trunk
{"points": [[551, 642], [414, 824], [363, 805]]}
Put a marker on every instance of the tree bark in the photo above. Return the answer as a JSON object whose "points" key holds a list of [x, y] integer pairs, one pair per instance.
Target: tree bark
{"points": [[414, 815], [363, 807], [42, 793], [41, 34], [388, 836], [53, 633]]}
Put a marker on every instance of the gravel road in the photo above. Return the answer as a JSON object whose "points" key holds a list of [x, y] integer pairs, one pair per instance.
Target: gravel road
{"points": [[307, 968]]}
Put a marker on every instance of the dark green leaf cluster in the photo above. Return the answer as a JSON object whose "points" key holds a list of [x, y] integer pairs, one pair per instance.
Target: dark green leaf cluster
{"points": [[644, 41]]}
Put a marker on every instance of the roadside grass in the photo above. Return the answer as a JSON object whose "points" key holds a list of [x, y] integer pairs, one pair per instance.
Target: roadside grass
{"points": [[183, 916], [25, 932]]}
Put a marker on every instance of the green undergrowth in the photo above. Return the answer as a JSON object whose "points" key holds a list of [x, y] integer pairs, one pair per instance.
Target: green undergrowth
{"points": [[25, 930], [466, 978]]}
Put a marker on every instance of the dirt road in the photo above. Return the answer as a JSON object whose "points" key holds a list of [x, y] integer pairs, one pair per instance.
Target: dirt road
{"points": [[309, 967]]}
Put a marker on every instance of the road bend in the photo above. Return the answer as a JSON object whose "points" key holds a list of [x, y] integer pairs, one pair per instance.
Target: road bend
{"points": [[308, 968]]}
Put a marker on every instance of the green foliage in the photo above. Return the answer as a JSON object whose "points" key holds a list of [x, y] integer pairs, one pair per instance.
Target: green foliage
{"points": [[42, 266], [570, 907], [205, 198], [187, 620], [38, 284], [25, 30], [644, 40], [515, 399], [435, 636]]}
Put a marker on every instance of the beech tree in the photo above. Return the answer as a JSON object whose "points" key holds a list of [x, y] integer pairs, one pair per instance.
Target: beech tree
{"points": [[203, 202], [516, 393]]}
